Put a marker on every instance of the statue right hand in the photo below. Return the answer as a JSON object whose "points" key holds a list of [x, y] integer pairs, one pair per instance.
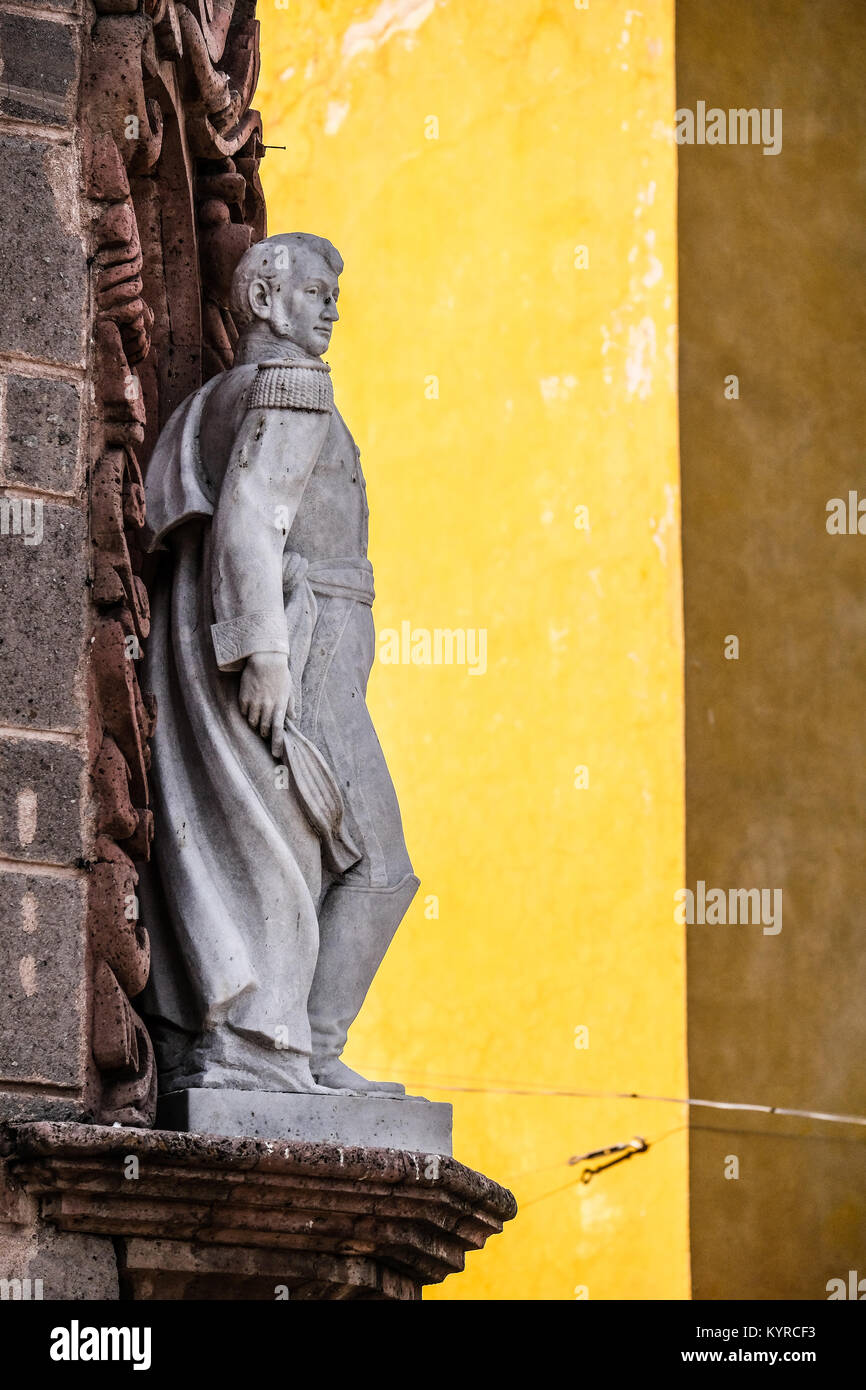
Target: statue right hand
{"points": [[266, 696]]}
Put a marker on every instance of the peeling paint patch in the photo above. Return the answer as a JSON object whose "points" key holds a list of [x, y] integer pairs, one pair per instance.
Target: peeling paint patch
{"points": [[667, 522], [335, 115], [640, 358], [557, 388], [600, 1221], [391, 17], [656, 270], [556, 637]]}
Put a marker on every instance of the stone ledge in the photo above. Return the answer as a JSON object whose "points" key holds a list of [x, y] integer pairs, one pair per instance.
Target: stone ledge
{"points": [[223, 1218]]}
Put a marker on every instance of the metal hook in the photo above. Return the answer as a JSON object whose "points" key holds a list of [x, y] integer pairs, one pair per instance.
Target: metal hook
{"points": [[622, 1152]]}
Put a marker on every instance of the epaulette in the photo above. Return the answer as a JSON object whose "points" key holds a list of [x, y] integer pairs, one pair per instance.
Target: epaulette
{"points": [[289, 385]]}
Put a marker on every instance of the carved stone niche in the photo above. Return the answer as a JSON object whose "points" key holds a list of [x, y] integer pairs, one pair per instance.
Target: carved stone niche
{"points": [[170, 168], [209, 1218]]}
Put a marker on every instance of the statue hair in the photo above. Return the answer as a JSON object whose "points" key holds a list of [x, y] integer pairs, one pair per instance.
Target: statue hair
{"points": [[262, 262]]}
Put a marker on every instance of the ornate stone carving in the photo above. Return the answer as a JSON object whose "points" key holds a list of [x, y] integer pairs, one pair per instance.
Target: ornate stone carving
{"points": [[170, 159]]}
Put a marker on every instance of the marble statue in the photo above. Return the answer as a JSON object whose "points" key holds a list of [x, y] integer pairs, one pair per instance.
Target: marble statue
{"points": [[280, 870]]}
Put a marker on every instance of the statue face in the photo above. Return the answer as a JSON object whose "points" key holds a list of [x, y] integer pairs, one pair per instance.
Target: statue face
{"points": [[303, 305]]}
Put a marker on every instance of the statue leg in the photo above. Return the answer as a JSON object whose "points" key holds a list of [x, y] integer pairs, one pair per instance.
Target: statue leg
{"points": [[356, 925], [361, 910]]}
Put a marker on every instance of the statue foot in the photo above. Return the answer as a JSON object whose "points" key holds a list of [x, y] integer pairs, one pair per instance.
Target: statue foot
{"points": [[316, 1090], [292, 1077], [335, 1075], [298, 1079]]}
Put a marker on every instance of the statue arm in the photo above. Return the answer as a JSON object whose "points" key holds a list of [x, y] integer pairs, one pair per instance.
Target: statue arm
{"points": [[272, 458]]}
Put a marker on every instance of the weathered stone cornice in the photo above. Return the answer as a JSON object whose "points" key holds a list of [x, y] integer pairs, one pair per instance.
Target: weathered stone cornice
{"points": [[224, 1218]]}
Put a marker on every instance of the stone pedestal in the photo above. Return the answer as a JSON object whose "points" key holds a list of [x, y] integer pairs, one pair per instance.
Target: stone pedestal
{"points": [[192, 1216], [379, 1122]]}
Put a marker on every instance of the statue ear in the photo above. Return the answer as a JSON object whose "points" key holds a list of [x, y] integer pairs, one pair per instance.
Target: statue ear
{"points": [[259, 298]]}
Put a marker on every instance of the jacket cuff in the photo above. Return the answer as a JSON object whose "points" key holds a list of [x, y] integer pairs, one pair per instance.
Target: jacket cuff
{"points": [[238, 638]]}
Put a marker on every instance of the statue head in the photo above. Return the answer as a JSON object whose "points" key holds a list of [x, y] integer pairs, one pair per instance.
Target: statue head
{"points": [[288, 285]]}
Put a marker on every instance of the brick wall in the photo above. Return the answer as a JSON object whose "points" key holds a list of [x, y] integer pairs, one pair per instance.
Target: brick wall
{"points": [[45, 829]]}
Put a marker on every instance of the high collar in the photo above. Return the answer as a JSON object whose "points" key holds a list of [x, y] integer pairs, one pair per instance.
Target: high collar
{"points": [[257, 348]]}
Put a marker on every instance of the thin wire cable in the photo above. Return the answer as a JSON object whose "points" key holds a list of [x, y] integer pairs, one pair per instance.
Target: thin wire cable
{"points": [[516, 1089]]}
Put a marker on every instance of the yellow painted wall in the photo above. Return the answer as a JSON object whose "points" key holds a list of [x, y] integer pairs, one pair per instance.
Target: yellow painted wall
{"points": [[557, 389]]}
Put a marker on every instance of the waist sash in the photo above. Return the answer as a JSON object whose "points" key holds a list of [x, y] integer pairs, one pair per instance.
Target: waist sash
{"points": [[352, 578]]}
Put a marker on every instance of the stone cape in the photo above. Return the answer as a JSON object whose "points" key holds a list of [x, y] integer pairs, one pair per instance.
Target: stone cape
{"points": [[241, 864]]}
